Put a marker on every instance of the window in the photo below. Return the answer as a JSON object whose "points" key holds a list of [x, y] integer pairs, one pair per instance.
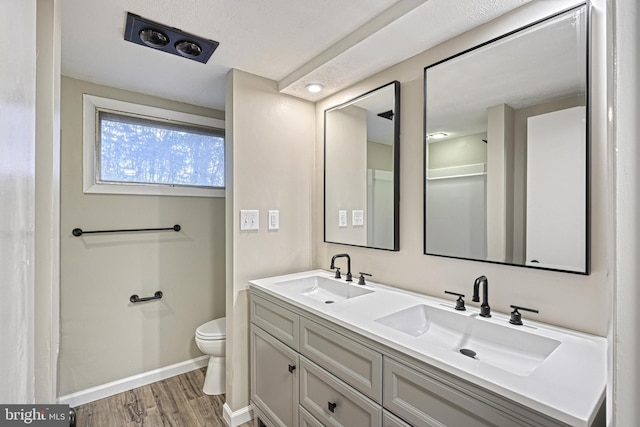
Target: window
{"points": [[135, 149]]}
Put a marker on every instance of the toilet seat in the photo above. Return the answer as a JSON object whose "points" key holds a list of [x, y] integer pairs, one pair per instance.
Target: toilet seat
{"points": [[213, 330]]}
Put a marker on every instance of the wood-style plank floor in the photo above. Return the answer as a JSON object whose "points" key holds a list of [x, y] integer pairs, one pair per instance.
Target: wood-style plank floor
{"points": [[174, 402]]}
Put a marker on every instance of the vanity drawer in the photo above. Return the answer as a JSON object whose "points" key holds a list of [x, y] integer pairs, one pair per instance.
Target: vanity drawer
{"points": [[276, 320], [390, 420], [426, 400], [333, 402], [307, 420], [355, 364]]}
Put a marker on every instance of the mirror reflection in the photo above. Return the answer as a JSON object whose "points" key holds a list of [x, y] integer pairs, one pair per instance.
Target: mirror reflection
{"points": [[361, 187], [506, 166]]}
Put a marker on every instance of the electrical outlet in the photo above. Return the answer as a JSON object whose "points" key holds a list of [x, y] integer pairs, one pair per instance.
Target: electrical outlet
{"points": [[249, 220], [274, 220], [358, 217]]}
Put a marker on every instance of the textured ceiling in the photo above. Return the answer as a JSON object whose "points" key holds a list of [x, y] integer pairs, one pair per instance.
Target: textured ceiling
{"points": [[540, 64], [294, 42]]}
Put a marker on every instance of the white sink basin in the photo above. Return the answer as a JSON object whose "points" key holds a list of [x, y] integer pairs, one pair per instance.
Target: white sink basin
{"points": [[502, 346], [443, 328], [507, 348], [323, 289]]}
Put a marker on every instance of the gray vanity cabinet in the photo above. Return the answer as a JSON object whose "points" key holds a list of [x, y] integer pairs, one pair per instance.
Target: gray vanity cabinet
{"points": [[309, 372], [339, 380]]}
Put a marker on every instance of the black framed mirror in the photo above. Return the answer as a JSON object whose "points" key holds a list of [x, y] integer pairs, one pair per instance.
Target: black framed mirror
{"points": [[506, 176], [361, 170]]}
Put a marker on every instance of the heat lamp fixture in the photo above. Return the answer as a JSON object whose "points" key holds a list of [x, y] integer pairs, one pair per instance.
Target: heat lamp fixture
{"points": [[168, 39]]}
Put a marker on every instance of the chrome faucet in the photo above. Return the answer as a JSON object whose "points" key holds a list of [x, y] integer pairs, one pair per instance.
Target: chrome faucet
{"points": [[349, 276], [485, 310]]}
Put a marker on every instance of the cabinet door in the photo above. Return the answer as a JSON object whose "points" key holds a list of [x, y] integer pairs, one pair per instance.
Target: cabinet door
{"points": [[332, 402], [274, 378]]}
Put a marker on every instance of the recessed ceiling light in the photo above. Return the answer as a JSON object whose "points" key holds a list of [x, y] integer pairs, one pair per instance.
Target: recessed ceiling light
{"points": [[437, 135], [188, 48], [154, 38], [314, 87]]}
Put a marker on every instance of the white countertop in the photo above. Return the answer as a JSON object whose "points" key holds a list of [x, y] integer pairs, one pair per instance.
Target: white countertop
{"points": [[569, 385]]}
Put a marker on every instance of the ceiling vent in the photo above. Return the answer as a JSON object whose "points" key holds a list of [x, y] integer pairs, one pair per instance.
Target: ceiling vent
{"points": [[167, 39]]}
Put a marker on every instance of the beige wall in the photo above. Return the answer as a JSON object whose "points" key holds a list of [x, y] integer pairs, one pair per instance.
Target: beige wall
{"points": [[379, 156], [270, 142], [568, 300], [466, 150], [103, 336]]}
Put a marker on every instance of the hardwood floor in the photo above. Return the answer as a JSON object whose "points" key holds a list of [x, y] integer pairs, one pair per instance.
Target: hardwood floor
{"points": [[174, 402]]}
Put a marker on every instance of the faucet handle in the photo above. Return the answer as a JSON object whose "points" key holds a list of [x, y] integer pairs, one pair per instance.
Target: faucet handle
{"points": [[459, 302], [337, 276], [516, 317], [361, 280]]}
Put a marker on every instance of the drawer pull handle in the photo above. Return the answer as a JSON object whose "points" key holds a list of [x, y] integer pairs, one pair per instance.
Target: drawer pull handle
{"points": [[331, 406], [292, 368]]}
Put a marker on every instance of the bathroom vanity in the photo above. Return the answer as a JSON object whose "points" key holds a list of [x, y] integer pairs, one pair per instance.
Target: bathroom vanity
{"points": [[328, 352]]}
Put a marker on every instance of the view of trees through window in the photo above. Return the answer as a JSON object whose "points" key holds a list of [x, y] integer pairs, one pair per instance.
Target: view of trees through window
{"points": [[144, 151]]}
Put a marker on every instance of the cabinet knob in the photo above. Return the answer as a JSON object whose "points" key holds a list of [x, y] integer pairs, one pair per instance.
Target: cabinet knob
{"points": [[292, 368], [331, 406]]}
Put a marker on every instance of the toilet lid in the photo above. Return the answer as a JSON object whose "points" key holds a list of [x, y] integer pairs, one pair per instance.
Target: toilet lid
{"points": [[213, 330]]}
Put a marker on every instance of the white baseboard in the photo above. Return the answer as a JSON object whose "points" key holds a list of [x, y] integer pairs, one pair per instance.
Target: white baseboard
{"points": [[100, 392], [234, 419]]}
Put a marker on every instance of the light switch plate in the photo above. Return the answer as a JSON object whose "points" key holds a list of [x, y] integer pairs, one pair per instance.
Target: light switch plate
{"points": [[342, 218], [358, 217], [274, 220], [249, 219]]}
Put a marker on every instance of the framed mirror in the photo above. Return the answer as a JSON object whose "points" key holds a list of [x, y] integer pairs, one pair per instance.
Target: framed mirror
{"points": [[507, 149], [361, 170]]}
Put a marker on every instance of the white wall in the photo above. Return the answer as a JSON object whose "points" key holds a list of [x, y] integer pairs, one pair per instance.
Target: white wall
{"points": [[47, 225], [103, 336], [270, 142], [569, 300], [17, 194], [624, 338]]}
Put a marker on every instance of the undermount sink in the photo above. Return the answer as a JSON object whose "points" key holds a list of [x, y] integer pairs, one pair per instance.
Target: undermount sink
{"points": [[323, 289], [443, 328], [504, 347]]}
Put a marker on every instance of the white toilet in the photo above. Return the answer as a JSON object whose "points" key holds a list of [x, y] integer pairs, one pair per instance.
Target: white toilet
{"points": [[211, 338]]}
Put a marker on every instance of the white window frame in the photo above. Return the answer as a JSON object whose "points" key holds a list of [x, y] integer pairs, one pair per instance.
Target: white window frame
{"points": [[90, 103]]}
